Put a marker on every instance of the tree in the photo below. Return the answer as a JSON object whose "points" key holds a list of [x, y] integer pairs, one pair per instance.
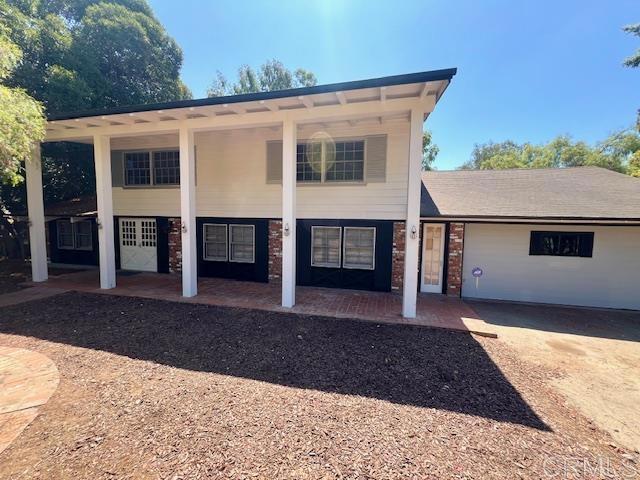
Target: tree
{"points": [[271, 76], [429, 151], [634, 60]]}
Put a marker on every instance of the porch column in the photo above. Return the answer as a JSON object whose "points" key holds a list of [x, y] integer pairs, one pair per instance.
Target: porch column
{"points": [[104, 196], [411, 253], [35, 206], [188, 213], [289, 135]]}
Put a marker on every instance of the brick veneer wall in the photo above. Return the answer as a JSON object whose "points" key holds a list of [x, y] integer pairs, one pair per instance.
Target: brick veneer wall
{"points": [[397, 256], [454, 261], [275, 250], [175, 245]]}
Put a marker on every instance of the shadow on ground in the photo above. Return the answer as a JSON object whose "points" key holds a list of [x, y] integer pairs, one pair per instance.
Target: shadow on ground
{"points": [[401, 364], [590, 322]]}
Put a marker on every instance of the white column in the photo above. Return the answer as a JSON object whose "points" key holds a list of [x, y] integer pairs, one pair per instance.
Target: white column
{"points": [[35, 207], [411, 249], [188, 213], [104, 196], [289, 135]]}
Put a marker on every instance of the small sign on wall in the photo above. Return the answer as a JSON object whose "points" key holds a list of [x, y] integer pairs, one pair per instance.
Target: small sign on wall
{"points": [[477, 273]]}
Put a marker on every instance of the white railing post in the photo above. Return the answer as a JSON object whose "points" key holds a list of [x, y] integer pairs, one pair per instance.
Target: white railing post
{"points": [[104, 197], [35, 207], [412, 227], [289, 135], [188, 213]]}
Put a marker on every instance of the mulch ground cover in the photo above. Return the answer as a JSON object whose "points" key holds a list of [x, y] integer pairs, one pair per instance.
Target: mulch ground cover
{"points": [[152, 389]]}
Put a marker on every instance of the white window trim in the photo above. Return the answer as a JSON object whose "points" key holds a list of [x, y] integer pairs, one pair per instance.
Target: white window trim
{"points": [[324, 265], [344, 248], [323, 163], [204, 242], [73, 235], [253, 250], [151, 183]]}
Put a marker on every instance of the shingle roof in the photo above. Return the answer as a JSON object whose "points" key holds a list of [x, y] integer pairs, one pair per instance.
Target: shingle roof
{"points": [[566, 193]]}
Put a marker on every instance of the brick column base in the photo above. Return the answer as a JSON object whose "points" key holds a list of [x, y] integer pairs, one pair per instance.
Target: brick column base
{"points": [[275, 250], [397, 257], [454, 260], [175, 245]]}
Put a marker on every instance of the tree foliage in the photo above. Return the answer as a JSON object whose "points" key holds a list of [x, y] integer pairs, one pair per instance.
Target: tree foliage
{"points": [[633, 60], [618, 152], [272, 75], [429, 151]]}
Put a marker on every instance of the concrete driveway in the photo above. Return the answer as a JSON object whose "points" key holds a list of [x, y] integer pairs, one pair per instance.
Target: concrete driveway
{"points": [[595, 353]]}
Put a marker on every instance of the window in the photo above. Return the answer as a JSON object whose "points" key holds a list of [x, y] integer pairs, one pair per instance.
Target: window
{"points": [[74, 236], [359, 247], [326, 246], [561, 244], [166, 168], [331, 163], [215, 242], [152, 168], [309, 162], [242, 243], [348, 163]]}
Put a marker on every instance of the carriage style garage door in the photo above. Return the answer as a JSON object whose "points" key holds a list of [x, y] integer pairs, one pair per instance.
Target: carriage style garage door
{"points": [[138, 244]]}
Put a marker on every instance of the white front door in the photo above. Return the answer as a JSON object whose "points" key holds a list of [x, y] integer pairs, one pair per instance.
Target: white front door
{"points": [[432, 257], [138, 240]]}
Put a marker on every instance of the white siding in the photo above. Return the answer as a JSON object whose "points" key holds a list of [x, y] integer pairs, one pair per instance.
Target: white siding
{"points": [[611, 278], [231, 180]]}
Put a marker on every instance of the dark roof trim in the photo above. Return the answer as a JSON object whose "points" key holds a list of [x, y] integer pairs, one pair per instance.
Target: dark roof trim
{"points": [[524, 217], [431, 76]]}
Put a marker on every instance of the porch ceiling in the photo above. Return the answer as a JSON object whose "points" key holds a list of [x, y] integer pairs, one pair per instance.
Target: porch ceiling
{"points": [[387, 97]]}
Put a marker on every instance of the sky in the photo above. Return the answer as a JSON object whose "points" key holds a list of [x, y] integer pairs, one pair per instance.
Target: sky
{"points": [[527, 70]]}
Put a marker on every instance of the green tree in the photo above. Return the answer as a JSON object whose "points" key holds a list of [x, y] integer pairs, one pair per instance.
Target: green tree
{"points": [[429, 151], [633, 60], [271, 76]]}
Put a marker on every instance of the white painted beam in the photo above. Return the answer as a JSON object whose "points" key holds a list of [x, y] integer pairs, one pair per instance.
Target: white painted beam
{"points": [[383, 94], [412, 226], [289, 139], [188, 213], [235, 108], [341, 98], [106, 243], [35, 207], [271, 106], [306, 101]]}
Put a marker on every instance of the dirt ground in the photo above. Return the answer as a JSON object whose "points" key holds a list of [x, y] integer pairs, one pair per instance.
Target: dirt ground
{"points": [[152, 389], [596, 353]]}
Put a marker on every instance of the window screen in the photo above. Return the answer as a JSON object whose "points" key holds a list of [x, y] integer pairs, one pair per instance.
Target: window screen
{"points": [[65, 234], [348, 162], [359, 247], [82, 235], [325, 246], [562, 244], [166, 167], [242, 245], [137, 166], [309, 162], [215, 242]]}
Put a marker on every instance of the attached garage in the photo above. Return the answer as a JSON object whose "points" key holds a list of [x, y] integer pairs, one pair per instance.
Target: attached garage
{"points": [[563, 236]]}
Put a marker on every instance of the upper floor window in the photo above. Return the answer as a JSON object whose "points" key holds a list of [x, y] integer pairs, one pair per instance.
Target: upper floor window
{"points": [[74, 236], [329, 162], [152, 168], [561, 244]]}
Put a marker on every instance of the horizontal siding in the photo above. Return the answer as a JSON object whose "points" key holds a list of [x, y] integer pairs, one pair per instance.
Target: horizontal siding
{"points": [[231, 180]]}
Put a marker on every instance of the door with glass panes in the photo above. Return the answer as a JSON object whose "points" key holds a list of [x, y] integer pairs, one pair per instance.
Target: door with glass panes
{"points": [[138, 244], [432, 258]]}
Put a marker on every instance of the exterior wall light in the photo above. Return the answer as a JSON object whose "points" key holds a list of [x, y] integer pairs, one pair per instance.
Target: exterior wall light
{"points": [[414, 232], [183, 227], [98, 223], [286, 229]]}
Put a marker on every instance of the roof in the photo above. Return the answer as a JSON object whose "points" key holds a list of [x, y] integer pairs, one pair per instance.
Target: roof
{"points": [[85, 206], [555, 193], [410, 78]]}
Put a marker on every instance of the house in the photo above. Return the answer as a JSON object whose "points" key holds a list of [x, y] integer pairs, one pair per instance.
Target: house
{"points": [[315, 186]]}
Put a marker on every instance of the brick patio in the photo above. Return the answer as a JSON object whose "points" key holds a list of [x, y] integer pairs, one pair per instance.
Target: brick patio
{"points": [[433, 310]]}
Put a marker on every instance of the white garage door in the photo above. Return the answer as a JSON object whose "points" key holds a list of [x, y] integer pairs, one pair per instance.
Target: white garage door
{"points": [[609, 278]]}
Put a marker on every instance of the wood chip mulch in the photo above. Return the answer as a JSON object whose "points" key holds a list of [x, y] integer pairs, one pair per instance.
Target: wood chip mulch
{"points": [[152, 389]]}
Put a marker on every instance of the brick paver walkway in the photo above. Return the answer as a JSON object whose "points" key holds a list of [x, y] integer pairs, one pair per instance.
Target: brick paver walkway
{"points": [[36, 292], [27, 381], [433, 310]]}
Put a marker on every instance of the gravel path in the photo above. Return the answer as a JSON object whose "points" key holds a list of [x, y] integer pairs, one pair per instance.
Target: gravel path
{"points": [[153, 389]]}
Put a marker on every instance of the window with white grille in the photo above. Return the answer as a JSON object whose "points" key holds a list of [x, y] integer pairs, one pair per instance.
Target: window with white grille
{"points": [[74, 235], [359, 247], [242, 243], [148, 233], [325, 246], [128, 233], [166, 167], [215, 242], [65, 234]]}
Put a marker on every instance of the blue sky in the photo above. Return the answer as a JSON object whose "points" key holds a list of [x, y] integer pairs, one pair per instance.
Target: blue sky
{"points": [[527, 70]]}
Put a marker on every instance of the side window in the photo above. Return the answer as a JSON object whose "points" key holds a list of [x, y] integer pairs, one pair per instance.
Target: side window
{"points": [[82, 235], [348, 165], [215, 242], [359, 248], [242, 243], [166, 167], [65, 234], [137, 168], [326, 246], [309, 162], [561, 244]]}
